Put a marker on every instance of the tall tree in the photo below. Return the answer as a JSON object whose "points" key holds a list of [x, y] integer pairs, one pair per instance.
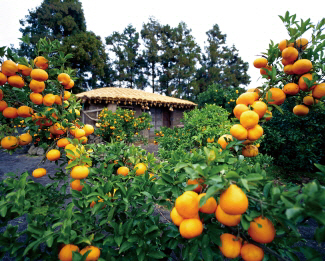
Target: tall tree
{"points": [[129, 62]]}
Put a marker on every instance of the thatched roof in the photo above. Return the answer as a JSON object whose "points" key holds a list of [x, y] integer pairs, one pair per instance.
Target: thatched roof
{"points": [[130, 96]]}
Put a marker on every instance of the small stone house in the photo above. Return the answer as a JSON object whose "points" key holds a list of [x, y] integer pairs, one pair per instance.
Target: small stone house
{"points": [[164, 110]]}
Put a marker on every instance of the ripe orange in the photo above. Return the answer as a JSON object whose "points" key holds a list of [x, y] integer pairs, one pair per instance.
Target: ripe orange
{"points": [[278, 96], [58, 100], [79, 172], [93, 255], [187, 205], [238, 132], [260, 108], [319, 91], [79, 133], [66, 252], [233, 200], [25, 111], [24, 70], [67, 95], [230, 245], [69, 85], [302, 43], [291, 88], [1, 94], [89, 129], [255, 133], [16, 81], [10, 113], [290, 54], [248, 119], [285, 62], [282, 45], [63, 142], [198, 189], [38, 173], [48, 99], [53, 155], [190, 228], [36, 98], [262, 230], [250, 252], [247, 98], [239, 109], [260, 62], [3, 78], [288, 69], [25, 139], [41, 62], [75, 185], [210, 205], [63, 78], [250, 151], [9, 142], [9, 68], [124, 171], [36, 86], [210, 140], [39, 75], [175, 217], [225, 219], [223, 141], [308, 100], [268, 68], [302, 66], [300, 110], [3, 105], [303, 85], [73, 149], [141, 168]]}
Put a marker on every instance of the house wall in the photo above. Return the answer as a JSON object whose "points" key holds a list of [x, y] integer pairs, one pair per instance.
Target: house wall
{"points": [[176, 117]]}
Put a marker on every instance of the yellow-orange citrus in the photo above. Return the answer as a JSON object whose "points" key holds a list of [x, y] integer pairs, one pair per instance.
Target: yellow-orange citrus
{"points": [[233, 200], [290, 54], [69, 85], [67, 95], [3, 105], [25, 139], [198, 189], [141, 168], [261, 230], [41, 62], [190, 228], [210, 140], [225, 219], [187, 204], [223, 141], [93, 255], [124, 171], [250, 252], [3, 78], [278, 96], [62, 143], [39, 75], [250, 151], [65, 253], [63, 78], [288, 69], [9, 68], [238, 132], [75, 185], [36, 86], [36, 98], [302, 43], [319, 91], [38, 173], [308, 100], [25, 111], [16, 81], [79, 133], [10, 113], [260, 108], [291, 88], [230, 245], [247, 98], [9, 142], [89, 129], [303, 85], [255, 133], [265, 70], [260, 62], [248, 119], [210, 205], [53, 155], [300, 110], [239, 109], [48, 99], [302, 66], [24, 70], [79, 172], [175, 217]]}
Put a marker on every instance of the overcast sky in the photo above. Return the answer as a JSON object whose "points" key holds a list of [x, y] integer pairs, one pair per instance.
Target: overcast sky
{"points": [[249, 25]]}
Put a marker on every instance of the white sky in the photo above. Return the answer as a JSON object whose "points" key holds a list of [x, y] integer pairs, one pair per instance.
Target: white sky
{"points": [[249, 25]]}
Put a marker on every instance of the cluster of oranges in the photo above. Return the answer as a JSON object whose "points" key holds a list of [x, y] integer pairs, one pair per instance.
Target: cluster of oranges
{"points": [[233, 203], [66, 251]]}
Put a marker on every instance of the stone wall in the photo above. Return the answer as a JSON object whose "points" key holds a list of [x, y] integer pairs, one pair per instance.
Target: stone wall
{"points": [[176, 117]]}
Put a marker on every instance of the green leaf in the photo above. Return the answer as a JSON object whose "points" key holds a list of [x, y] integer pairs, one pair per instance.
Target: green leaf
{"points": [[193, 252], [232, 175], [294, 212], [3, 210], [244, 222], [254, 177], [152, 228], [156, 254], [207, 253], [167, 178], [266, 189], [320, 234], [118, 240], [125, 246]]}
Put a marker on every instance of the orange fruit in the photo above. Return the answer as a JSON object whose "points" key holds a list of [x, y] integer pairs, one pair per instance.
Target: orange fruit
{"points": [[39, 75], [58, 129], [190, 228], [260, 108], [288, 69], [233, 200], [282, 45], [250, 151], [308, 100], [255, 133], [63, 142], [9, 68], [73, 149], [64, 78], [36, 86], [303, 85], [16, 81], [300, 110], [319, 91], [260, 63], [10, 113], [93, 255], [140, 168], [25, 139], [48, 99], [210, 140], [290, 54], [210, 205], [198, 189], [9, 143], [251, 252], [278, 96], [1, 94], [3, 105], [124, 171], [285, 62], [79, 172], [230, 245], [83, 140], [268, 117], [38, 173], [69, 85], [3, 78], [67, 95], [41, 62], [89, 129], [58, 100], [248, 119], [247, 98], [25, 111], [238, 132], [75, 185], [36, 98], [261, 230], [175, 217], [239, 109], [79, 133], [268, 68], [257, 90], [223, 141], [291, 88], [187, 205], [53, 155], [225, 219], [302, 43], [24, 70], [65, 253], [302, 66]]}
